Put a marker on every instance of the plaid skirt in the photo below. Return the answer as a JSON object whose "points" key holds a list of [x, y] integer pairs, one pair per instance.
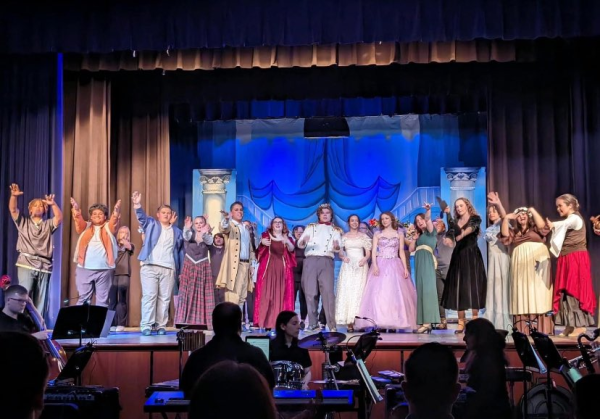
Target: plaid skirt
{"points": [[196, 294]]}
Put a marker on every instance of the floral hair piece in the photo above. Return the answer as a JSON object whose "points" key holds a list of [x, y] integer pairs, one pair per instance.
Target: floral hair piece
{"points": [[373, 222], [523, 209]]}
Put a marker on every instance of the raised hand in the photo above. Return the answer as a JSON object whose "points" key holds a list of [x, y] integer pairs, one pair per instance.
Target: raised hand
{"points": [[117, 208], [49, 200], [225, 214], [74, 204], [511, 216], [174, 217], [447, 210], [427, 206], [187, 223], [136, 198], [550, 224], [14, 190], [266, 241], [493, 198]]}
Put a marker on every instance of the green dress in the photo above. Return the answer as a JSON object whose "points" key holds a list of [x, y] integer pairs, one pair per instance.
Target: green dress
{"points": [[425, 281]]}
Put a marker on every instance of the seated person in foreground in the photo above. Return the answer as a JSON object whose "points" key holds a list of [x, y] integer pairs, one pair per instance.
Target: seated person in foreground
{"points": [[226, 345], [229, 390], [284, 347], [486, 366], [431, 382], [25, 376], [12, 316]]}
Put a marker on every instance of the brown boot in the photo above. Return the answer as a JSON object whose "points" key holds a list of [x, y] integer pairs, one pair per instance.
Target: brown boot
{"points": [[461, 323]]}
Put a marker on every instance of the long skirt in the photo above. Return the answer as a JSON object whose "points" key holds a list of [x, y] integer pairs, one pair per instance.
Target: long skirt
{"points": [[196, 294]]}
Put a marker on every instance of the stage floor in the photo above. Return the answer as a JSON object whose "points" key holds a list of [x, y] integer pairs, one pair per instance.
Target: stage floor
{"points": [[132, 339]]}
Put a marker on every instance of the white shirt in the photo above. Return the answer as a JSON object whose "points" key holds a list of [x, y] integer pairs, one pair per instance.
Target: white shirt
{"points": [[559, 232], [95, 256], [321, 240], [162, 254], [244, 236]]}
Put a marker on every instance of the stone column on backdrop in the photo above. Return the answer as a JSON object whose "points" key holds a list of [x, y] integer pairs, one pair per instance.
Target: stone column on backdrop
{"points": [[214, 194], [462, 182]]}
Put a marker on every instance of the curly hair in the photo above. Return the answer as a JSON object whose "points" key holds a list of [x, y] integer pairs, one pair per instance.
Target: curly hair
{"points": [[322, 207], [395, 223], [470, 207], [33, 201]]}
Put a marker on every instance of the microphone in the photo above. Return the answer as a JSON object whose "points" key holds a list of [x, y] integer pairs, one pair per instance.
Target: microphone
{"points": [[67, 301], [375, 327]]}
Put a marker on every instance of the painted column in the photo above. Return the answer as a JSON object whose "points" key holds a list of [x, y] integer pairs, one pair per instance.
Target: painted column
{"points": [[214, 194], [462, 182]]}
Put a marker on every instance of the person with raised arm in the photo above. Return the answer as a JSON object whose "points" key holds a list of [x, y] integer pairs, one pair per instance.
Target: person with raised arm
{"points": [[35, 244], [497, 303], [321, 241], [574, 302], [96, 251], [423, 244], [530, 279], [161, 258], [466, 282], [235, 274]]}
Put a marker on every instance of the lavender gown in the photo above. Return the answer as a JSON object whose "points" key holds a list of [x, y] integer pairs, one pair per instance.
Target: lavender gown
{"points": [[389, 298]]}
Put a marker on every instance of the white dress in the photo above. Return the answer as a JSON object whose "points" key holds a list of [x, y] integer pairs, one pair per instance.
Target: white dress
{"points": [[351, 279], [497, 301]]}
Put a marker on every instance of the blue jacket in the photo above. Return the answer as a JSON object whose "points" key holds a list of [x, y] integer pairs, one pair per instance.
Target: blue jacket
{"points": [[152, 230]]}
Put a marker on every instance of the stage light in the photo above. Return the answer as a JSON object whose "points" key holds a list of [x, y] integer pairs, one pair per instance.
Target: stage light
{"points": [[326, 127]]}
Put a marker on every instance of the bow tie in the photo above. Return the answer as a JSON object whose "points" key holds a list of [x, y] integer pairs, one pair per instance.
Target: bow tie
{"points": [[327, 223]]}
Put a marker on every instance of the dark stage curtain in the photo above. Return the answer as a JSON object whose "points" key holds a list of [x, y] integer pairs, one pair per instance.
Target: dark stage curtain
{"points": [[107, 26], [30, 148]]}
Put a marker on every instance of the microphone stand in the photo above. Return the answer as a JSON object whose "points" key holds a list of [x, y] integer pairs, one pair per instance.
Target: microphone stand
{"points": [[375, 327]]}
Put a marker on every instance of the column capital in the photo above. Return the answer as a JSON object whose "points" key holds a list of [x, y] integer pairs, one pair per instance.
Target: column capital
{"points": [[214, 180], [454, 174]]}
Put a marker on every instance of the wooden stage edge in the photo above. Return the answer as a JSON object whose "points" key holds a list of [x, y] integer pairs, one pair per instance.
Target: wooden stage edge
{"points": [[133, 362]]}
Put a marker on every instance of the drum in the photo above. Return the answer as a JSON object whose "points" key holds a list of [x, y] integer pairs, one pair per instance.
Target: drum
{"points": [[537, 402], [288, 374]]}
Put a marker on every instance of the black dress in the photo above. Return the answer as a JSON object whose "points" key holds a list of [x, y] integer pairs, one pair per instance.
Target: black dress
{"points": [[466, 281]]}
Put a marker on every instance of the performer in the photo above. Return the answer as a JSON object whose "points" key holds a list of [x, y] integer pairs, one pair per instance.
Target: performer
{"points": [[321, 242], [196, 286], [425, 264], [353, 273], [235, 275], [531, 284], [390, 298], [466, 281], [443, 255], [248, 314], [161, 258], [35, 245], [497, 300], [216, 251], [486, 367], [275, 283], [365, 229], [284, 347], [574, 300], [297, 232], [118, 295], [596, 224], [96, 251]]}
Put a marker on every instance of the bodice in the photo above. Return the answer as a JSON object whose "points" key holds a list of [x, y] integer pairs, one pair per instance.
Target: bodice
{"points": [[387, 248]]}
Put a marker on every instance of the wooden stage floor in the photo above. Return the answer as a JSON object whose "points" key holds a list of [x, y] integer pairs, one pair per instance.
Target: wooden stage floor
{"points": [[133, 362]]}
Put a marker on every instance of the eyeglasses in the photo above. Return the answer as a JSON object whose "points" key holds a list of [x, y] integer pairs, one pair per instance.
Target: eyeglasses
{"points": [[277, 222], [19, 300]]}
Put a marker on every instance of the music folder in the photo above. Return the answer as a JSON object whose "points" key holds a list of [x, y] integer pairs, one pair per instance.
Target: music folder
{"points": [[527, 354]]}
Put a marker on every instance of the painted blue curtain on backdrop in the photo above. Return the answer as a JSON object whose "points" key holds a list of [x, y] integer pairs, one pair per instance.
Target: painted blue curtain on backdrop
{"points": [[378, 167]]}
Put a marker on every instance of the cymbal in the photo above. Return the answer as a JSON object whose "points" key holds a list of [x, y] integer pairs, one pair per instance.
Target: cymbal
{"points": [[318, 340]]}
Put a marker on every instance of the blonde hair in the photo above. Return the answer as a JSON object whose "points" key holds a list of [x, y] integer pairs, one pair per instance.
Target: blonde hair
{"points": [[128, 237], [571, 200], [33, 201]]}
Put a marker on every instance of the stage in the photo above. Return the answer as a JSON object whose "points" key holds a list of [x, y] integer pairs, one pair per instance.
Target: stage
{"points": [[133, 362]]}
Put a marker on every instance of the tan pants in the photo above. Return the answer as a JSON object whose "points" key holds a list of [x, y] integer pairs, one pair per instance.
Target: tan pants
{"points": [[240, 286]]}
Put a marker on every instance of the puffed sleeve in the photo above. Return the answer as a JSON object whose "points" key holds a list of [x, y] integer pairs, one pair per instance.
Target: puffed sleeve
{"points": [[367, 242], [474, 222]]}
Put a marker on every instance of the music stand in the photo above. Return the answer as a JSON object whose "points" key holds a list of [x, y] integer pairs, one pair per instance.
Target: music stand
{"points": [[75, 365], [85, 321], [365, 345], [530, 360], [553, 360]]}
